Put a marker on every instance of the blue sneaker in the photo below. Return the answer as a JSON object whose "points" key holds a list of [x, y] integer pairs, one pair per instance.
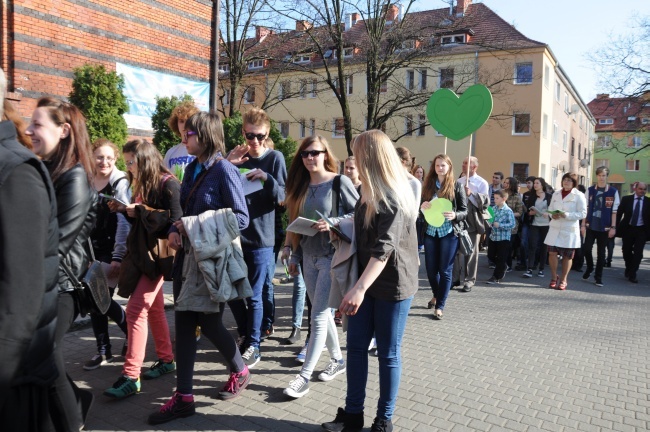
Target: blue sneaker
{"points": [[300, 358]]}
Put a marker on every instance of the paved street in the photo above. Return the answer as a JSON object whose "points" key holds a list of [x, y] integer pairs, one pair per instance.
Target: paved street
{"points": [[515, 357]]}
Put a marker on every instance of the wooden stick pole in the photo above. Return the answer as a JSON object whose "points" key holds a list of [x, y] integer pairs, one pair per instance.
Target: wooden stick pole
{"points": [[445, 152], [469, 160]]}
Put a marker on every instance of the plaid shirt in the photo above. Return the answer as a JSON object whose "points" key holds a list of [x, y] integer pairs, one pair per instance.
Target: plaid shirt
{"points": [[440, 231], [506, 219]]}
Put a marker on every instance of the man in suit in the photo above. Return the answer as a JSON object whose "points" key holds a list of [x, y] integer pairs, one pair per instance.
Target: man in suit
{"points": [[633, 220]]}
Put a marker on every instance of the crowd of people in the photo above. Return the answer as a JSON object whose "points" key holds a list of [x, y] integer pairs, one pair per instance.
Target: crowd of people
{"points": [[217, 215]]}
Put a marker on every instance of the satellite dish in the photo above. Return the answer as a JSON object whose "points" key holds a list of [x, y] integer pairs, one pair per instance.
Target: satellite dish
{"points": [[563, 166], [584, 163]]}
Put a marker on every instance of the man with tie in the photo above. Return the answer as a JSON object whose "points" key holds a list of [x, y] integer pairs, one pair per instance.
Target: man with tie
{"points": [[633, 220]]}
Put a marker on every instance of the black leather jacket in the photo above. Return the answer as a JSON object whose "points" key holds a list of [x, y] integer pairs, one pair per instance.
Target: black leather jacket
{"points": [[76, 204]]}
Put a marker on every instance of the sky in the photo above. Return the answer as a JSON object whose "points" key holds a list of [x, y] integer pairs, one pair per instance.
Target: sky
{"points": [[572, 29]]}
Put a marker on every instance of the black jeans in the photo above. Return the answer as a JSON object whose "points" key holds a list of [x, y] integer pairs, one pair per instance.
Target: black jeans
{"points": [[100, 325], [498, 253], [633, 243], [211, 327], [600, 238], [536, 246]]}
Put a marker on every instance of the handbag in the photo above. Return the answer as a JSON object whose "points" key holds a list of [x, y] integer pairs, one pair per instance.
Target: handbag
{"points": [[164, 256], [465, 245], [91, 293]]}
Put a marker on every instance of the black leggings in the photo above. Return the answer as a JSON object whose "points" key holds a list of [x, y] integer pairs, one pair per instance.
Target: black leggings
{"points": [[100, 325], [211, 327]]}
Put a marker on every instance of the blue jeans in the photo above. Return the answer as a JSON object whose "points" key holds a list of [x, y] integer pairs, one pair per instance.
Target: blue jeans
{"points": [[386, 321], [439, 253], [249, 313], [298, 299], [523, 245], [268, 297]]}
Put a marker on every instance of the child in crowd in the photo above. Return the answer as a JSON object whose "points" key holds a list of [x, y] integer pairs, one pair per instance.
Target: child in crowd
{"points": [[502, 225]]}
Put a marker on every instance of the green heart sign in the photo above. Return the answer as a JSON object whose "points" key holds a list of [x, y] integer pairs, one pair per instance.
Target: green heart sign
{"points": [[433, 215], [457, 117]]}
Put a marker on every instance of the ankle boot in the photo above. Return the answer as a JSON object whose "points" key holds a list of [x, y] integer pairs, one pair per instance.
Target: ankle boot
{"points": [[381, 425], [345, 422], [294, 337]]}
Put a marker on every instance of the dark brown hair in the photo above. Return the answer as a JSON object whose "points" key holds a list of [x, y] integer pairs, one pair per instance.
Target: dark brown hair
{"points": [[150, 170], [209, 132], [13, 116], [429, 188]]}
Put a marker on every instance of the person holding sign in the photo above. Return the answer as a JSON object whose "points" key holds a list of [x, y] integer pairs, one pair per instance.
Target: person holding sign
{"points": [[312, 186], [440, 243], [568, 206]]}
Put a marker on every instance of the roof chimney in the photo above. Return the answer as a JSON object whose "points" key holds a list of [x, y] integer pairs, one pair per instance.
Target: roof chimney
{"points": [[302, 25], [602, 96], [261, 33], [461, 7], [392, 13]]}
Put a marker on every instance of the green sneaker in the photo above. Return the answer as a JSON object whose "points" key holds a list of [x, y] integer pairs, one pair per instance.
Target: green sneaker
{"points": [[159, 369], [123, 387]]}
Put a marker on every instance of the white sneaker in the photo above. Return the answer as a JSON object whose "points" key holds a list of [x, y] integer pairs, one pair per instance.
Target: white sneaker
{"points": [[300, 358], [373, 344], [336, 367], [297, 388]]}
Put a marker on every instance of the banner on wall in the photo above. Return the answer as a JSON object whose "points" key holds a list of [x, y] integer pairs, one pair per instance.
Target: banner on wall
{"points": [[141, 86]]}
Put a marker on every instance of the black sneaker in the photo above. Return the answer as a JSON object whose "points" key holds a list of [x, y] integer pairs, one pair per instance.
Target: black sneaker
{"points": [[599, 282], [493, 281], [586, 274], [540, 273], [466, 288], [97, 361], [344, 422], [266, 333], [235, 385], [251, 356], [177, 407], [381, 425], [529, 273]]}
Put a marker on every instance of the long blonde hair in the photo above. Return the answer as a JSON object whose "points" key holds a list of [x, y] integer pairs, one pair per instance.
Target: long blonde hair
{"points": [[383, 177], [429, 188]]}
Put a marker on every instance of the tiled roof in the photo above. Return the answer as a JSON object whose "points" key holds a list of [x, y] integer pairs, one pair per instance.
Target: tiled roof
{"points": [[487, 30], [627, 113]]}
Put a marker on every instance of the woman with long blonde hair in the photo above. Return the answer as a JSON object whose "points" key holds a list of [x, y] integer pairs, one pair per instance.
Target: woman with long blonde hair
{"points": [[378, 304], [440, 243], [311, 187]]}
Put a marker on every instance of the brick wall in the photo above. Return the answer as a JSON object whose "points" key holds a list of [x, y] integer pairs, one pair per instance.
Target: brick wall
{"points": [[43, 41]]}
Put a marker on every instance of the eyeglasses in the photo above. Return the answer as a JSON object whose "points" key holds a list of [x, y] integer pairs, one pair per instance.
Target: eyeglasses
{"points": [[190, 133], [104, 158], [251, 136], [313, 153], [129, 163]]}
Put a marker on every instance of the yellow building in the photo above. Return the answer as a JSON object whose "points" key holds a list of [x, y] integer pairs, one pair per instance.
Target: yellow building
{"points": [[539, 124]]}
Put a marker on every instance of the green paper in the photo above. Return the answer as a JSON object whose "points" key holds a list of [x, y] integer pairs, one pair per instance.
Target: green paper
{"points": [[246, 170], [490, 210], [433, 215], [458, 117]]}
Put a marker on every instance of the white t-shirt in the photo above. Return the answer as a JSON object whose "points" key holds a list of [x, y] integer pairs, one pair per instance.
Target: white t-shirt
{"points": [[177, 157], [476, 184]]}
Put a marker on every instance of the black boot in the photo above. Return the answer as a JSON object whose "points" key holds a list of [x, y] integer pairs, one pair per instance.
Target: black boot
{"points": [[345, 422], [294, 337], [381, 425]]}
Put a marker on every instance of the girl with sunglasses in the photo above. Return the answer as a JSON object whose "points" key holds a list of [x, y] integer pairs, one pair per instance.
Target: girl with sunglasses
{"points": [[311, 188]]}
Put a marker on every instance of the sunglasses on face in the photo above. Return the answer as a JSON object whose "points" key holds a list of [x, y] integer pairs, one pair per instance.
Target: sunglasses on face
{"points": [[251, 136], [313, 153], [189, 133]]}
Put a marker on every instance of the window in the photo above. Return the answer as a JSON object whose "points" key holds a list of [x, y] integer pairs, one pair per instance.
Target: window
{"points": [[558, 90], [452, 39], [303, 89], [573, 147], [564, 141], [338, 128], [521, 124], [313, 89], [408, 125], [601, 162], [423, 79], [520, 172], [523, 73], [545, 126], [383, 85], [634, 141], [547, 76], [226, 97], [302, 58], [566, 102], [284, 129], [553, 177], [604, 141], [312, 127], [284, 90], [555, 133], [632, 165], [407, 45], [645, 120], [349, 84], [422, 124], [303, 128], [579, 150], [224, 67], [580, 120], [256, 64], [249, 95], [410, 79], [348, 52], [447, 78], [606, 121]]}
